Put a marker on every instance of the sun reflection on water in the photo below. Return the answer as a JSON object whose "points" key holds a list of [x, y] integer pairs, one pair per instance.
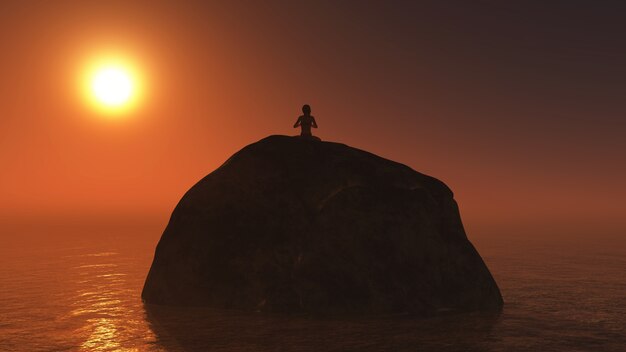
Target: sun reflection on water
{"points": [[103, 337], [102, 304]]}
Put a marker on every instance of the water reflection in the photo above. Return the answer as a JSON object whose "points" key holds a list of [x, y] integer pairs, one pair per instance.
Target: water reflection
{"points": [[101, 303], [194, 329], [103, 337]]}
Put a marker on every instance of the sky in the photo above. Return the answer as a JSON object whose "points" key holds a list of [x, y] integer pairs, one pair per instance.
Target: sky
{"points": [[517, 106]]}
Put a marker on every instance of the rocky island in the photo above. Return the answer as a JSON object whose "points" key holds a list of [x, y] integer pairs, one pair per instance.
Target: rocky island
{"points": [[294, 225]]}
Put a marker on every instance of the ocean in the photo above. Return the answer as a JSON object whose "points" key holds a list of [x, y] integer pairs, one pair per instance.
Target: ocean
{"points": [[79, 290]]}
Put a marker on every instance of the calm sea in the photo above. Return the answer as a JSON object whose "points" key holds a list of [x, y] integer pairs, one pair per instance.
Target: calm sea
{"points": [[80, 291]]}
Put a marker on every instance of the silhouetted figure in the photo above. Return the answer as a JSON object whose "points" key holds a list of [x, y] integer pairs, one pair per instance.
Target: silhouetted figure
{"points": [[305, 122]]}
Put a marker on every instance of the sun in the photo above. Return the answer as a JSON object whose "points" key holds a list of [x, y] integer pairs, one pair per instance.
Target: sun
{"points": [[112, 86]]}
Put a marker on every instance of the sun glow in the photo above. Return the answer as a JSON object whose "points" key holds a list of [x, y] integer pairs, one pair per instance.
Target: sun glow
{"points": [[112, 86]]}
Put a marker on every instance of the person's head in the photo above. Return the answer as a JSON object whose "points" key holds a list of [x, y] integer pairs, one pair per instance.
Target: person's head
{"points": [[306, 109]]}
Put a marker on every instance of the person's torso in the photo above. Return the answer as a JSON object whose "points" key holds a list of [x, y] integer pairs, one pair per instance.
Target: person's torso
{"points": [[306, 120]]}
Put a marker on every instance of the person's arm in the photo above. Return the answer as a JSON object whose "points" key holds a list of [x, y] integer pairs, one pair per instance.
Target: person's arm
{"points": [[297, 122], [314, 124]]}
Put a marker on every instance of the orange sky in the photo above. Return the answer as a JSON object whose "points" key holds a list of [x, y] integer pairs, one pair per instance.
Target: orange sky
{"points": [[519, 111]]}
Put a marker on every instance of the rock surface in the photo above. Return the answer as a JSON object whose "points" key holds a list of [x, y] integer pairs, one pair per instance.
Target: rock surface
{"points": [[304, 226]]}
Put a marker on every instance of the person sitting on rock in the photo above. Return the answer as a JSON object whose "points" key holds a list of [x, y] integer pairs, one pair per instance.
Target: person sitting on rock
{"points": [[305, 122]]}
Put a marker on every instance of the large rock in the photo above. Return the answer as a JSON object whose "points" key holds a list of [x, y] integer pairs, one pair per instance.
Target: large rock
{"points": [[297, 225]]}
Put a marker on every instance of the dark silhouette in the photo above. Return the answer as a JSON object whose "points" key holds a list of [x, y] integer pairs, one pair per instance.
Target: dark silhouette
{"points": [[305, 227], [305, 122]]}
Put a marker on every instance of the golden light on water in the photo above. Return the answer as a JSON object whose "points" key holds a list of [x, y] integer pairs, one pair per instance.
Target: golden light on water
{"points": [[113, 86]]}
